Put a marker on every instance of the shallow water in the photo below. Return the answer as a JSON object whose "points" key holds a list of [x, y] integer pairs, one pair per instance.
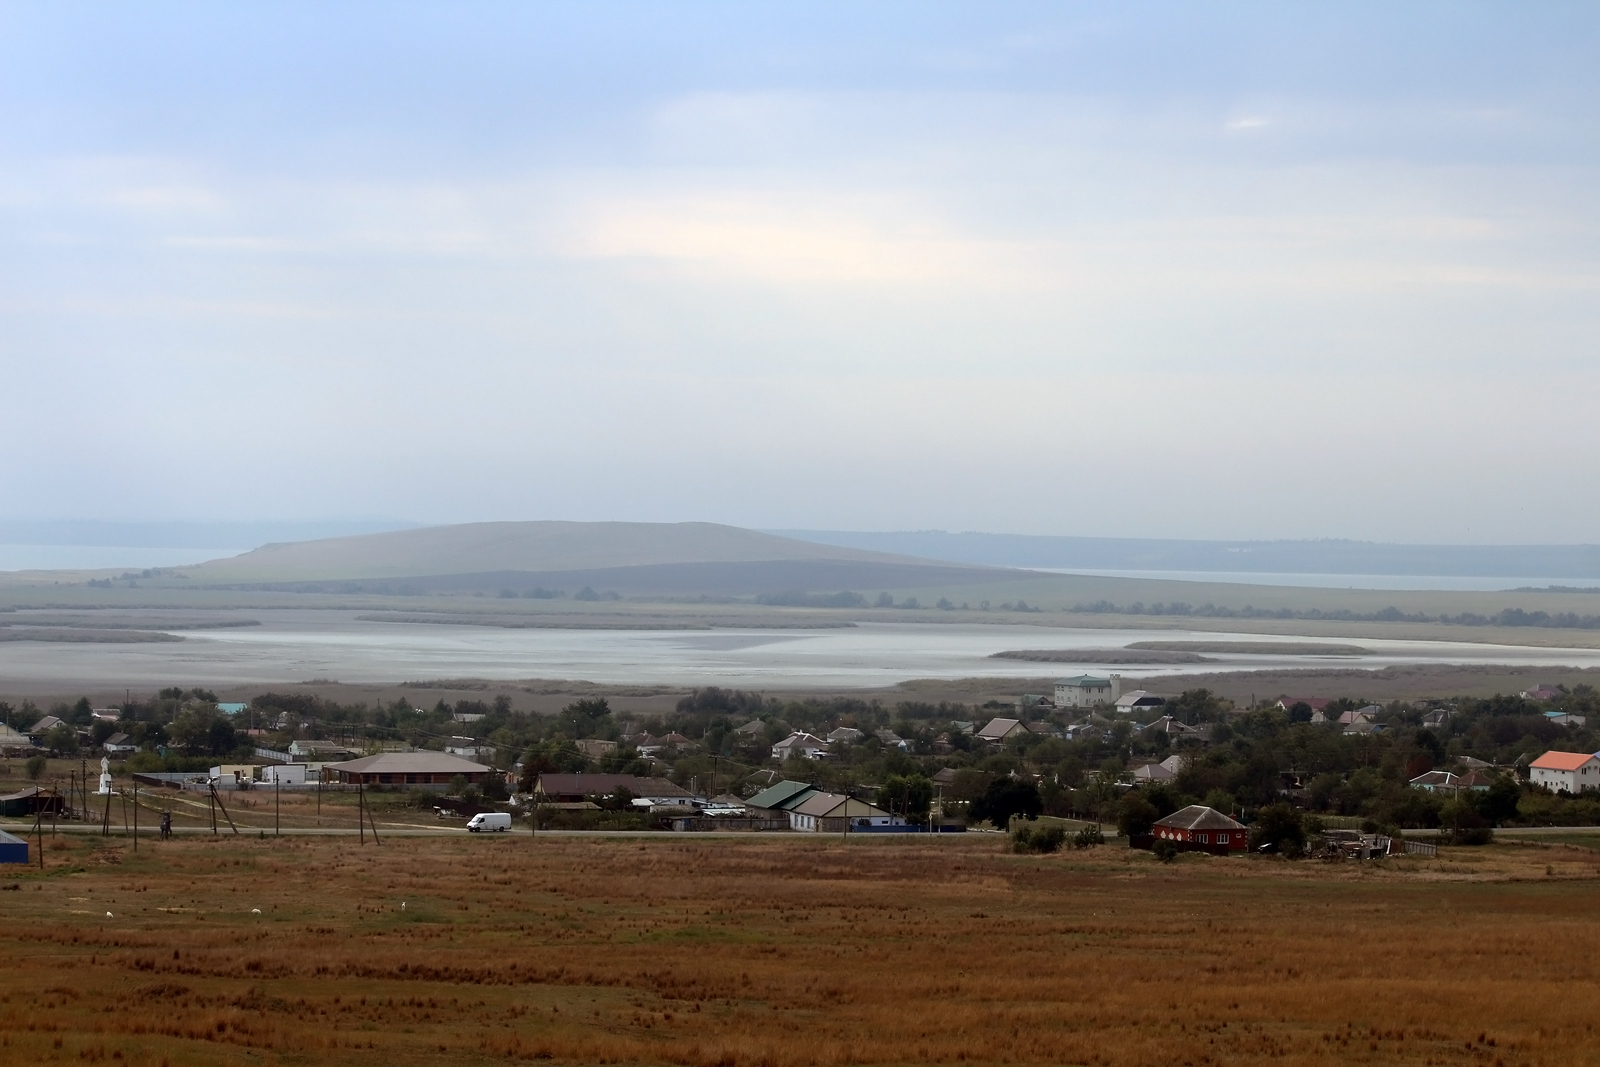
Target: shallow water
{"points": [[299, 645]]}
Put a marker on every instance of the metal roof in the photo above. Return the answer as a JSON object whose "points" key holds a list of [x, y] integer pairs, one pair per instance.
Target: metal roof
{"points": [[1562, 761], [410, 763], [781, 795], [1199, 817]]}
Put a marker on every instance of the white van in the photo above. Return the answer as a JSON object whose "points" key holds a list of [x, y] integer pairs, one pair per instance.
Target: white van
{"points": [[489, 820]]}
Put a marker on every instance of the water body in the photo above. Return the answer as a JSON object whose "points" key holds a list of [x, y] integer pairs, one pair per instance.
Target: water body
{"points": [[1396, 582], [300, 645]]}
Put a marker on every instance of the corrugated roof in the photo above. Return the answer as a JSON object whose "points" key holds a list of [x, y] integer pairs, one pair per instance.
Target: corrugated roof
{"points": [[1199, 817], [781, 795], [410, 763], [997, 727], [823, 805], [1562, 761], [1086, 681]]}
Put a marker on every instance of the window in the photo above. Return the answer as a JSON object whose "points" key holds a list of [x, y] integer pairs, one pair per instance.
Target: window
{"points": [[1222, 839], [1204, 839]]}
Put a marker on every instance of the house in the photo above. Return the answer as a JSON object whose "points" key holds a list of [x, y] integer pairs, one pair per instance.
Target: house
{"points": [[845, 735], [801, 744], [37, 731], [1437, 718], [1563, 718], [1570, 772], [12, 849], [1169, 727], [232, 709], [1477, 781], [1043, 729], [1174, 763], [780, 796], [1138, 700], [574, 788], [1436, 782], [650, 746], [1085, 691], [1001, 730], [1202, 829], [837, 813], [889, 739], [753, 728], [945, 777], [1318, 705], [594, 747], [1151, 773], [1542, 692], [415, 770], [1034, 701], [1364, 727], [312, 751], [120, 745], [105, 714]]}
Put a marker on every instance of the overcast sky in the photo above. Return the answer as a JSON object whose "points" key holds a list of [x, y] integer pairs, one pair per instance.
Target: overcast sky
{"points": [[1189, 270]]}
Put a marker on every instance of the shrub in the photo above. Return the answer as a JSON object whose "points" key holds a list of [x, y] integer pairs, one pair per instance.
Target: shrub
{"points": [[35, 767], [1165, 850], [1089, 836], [1136, 815], [1028, 837], [1278, 826]]}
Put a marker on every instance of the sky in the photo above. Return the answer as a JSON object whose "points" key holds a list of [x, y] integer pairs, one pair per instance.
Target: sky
{"points": [[1222, 270]]}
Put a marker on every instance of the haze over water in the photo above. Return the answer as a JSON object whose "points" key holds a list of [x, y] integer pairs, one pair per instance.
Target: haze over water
{"points": [[294, 646]]}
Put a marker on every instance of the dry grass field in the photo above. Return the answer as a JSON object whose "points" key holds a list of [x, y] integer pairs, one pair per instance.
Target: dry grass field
{"points": [[789, 953]]}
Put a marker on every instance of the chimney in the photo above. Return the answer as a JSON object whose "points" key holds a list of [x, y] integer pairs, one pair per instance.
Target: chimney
{"points": [[1116, 687]]}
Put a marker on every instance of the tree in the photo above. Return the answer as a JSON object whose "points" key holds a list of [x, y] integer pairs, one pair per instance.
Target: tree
{"points": [[1004, 798], [62, 738], [910, 795], [1278, 825], [35, 767], [1499, 802], [1136, 815]]}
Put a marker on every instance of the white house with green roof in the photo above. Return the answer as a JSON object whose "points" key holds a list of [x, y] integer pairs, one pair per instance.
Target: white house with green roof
{"points": [[1086, 690]]}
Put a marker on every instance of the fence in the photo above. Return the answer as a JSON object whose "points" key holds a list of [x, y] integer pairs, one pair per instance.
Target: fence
{"points": [[1420, 848]]}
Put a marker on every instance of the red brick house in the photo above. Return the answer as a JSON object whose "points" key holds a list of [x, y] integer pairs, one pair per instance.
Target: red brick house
{"points": [[1198, 828]]}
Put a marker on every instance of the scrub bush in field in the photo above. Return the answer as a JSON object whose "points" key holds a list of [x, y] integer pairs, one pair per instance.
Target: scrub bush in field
{"points": [[1088, 837], [1028, 837]]}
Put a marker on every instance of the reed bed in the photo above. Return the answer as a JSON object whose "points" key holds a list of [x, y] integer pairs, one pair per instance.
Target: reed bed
{"points": [[790, 953]]}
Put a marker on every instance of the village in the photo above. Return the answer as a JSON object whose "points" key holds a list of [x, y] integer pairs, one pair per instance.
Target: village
{"points": [[1294, 775]]}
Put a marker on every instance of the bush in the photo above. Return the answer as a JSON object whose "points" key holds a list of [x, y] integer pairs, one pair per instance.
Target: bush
{"points": [[35, 767], [1136, 815], [1028, 837], [1089, 836], [1277, 828], [1165, 850]]}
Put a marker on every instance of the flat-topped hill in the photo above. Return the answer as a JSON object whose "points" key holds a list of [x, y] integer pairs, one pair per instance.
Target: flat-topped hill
{"points": [[528, 547]]}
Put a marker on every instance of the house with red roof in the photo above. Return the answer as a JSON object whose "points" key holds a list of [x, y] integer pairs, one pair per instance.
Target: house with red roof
{"points": [[1572, 772]]}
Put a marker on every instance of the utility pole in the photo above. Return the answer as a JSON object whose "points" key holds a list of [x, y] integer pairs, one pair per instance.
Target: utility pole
{"points": [[361, 810], [136, 815], [277, 808]]}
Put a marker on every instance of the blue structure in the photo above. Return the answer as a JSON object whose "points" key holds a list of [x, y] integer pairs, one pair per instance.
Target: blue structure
{"points": [[12, 849]]}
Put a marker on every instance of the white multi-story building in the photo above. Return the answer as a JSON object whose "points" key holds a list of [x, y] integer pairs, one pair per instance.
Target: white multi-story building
{"points": [[1085, 691], [1572, 772]]}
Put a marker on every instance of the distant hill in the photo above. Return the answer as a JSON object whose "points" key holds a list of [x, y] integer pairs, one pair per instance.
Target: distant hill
{"points": [[1246, 557], [677, 557]]}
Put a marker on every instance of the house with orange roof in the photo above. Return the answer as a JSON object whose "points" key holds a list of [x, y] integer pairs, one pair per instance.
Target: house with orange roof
{"points": [[1572, 772]]}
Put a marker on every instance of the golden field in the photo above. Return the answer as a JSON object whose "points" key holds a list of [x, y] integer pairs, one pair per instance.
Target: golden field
{"points": [[789, 952]]}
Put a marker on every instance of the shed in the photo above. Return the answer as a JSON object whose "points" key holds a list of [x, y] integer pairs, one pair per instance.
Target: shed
{"points": [[28, 801], [12, 849]]}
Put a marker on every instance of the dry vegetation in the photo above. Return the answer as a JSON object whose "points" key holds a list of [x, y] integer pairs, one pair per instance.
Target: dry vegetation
{"points": [[789, 952]]}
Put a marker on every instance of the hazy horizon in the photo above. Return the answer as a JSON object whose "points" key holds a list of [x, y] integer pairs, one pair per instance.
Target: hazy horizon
{"points": [[1118, 270]]}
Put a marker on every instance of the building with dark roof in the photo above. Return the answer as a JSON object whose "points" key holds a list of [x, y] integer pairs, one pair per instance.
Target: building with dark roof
{"points": [[570, 788], [411, 770], [1198, 828]]}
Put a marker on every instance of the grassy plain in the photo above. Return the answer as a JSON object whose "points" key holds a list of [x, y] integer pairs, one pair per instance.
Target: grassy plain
{"points": [[789, 952]]}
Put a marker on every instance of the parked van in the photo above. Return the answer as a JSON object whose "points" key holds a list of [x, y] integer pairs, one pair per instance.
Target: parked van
{"points": [[489, 820]]}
